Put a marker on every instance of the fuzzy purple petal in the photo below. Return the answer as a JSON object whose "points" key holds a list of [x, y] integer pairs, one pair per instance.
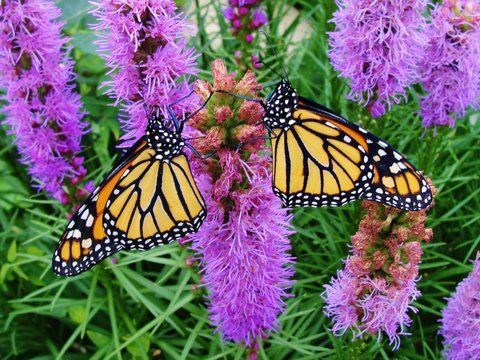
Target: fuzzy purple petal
{"points": [[377, 46], [42, 109], [244, 252], [451, 65], [143, 43], [461, 319]]}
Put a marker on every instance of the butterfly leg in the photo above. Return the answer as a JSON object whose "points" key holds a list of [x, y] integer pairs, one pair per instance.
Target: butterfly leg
{"points": [[197, 153], [259, 101], [264, 137], [179, 125]]}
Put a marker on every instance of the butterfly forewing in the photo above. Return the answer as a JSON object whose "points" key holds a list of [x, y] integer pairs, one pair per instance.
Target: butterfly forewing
{"points": [[149, 198], [154, 202], [317, 163]]}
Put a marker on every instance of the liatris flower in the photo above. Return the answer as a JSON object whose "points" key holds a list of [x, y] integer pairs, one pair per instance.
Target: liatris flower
{"points": [[246, 17], [146, 51], [377, 45], [461, 319], [243, 244], [373, 294], [42, 110], [451, 66]]}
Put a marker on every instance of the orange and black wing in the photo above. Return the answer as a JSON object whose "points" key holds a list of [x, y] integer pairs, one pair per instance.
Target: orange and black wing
{"points": [[154, 202], [351, 163], [83, 243], [94, 231], [318, 162]]}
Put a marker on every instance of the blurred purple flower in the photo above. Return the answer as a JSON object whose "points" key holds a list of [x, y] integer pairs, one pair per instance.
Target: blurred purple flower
{"points": [[373, 294], [143, 43], [245, 18], [461, 319], [451, 64], [243, 243], [259, 18], [378, 46], [42, 110]]}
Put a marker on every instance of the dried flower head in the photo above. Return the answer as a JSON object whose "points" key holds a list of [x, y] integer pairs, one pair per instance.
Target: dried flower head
{"points": [[373, 294]]}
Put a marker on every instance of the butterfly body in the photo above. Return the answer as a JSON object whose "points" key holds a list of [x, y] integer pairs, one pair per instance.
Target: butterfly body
{"points": [[148, 199], [322, 159]]}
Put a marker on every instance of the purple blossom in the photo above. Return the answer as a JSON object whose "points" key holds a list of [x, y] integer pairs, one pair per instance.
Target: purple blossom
{"points": [[42, 111], [143, 44], [245, 18], [244, 251], [369, 305], [451, 66], [243, 243], [461, 319], [259, 18], [377, 46]]}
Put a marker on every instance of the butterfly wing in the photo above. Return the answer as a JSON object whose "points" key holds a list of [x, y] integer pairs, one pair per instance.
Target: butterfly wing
{"points": [[318, 162], [396, 182], [91, 234], [83, 242], [386, 176], [153, 203]]}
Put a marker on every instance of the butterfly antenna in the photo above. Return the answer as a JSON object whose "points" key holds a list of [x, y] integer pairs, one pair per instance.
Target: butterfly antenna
{"points": [[269, 67], [277, 58]]}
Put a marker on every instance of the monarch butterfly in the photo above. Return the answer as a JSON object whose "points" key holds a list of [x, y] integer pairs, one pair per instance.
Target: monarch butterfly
{"points": [[149, 198], [321, 159]]}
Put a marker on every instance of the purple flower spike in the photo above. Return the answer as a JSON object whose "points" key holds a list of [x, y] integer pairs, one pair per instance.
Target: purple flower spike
{"points": [[461, 319], [42, 111], [245, 17], [451, 66], [243, 243], [377, 46], [143, 42]]}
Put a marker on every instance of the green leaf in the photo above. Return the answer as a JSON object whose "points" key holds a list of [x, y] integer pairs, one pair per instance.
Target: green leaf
{"points": [[139, 346], [73, 11], [12, 251], [99, 339], [84, 42], [4, 272], [77, 313], [91, 63]]}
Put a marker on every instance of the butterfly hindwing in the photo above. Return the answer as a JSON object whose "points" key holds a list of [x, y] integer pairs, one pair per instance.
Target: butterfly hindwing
{"points": [[84, 242], [396, 182]]}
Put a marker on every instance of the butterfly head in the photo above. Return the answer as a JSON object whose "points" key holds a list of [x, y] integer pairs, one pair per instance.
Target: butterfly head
{"points": [[166, 142], [280, 105]]}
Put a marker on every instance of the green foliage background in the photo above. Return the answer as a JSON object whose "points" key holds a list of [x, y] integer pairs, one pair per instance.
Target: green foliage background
{"points": [[147, 306]]}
